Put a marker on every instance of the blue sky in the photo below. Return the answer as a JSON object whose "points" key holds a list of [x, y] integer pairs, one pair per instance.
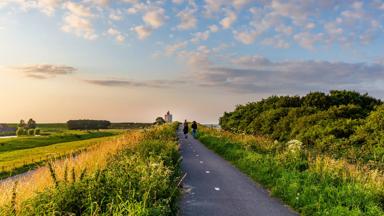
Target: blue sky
{"points": [[196, 58]]}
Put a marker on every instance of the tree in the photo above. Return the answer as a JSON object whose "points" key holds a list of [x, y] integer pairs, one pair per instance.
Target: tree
{"points": [[86, 124], [31, 124], [22, 124], [160, 121]]}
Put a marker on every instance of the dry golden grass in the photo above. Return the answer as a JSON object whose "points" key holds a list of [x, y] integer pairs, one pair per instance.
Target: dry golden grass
{"points": [[91, 160], [328, 166]]}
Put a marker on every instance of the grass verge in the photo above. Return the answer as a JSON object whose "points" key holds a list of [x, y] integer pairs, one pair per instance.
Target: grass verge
{"points": [[138, 175], [311, 185]]}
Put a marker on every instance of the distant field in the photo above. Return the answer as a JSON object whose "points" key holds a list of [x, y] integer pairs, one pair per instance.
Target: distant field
{"points": [[54, 127], [14, 162], [129, 125], [20, 154], [26, 142]]}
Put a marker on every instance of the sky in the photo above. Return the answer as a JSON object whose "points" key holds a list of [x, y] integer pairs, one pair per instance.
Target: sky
{"points": [[131, 60]]}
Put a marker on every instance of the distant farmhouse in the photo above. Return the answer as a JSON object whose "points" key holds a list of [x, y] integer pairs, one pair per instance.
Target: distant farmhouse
{"points": [[168, 117]]}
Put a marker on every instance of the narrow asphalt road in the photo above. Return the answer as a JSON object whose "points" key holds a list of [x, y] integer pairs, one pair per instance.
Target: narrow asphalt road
{"points": [[213, 187]]}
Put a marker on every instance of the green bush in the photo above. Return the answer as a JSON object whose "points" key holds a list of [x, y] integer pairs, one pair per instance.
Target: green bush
{"points": [[340, 123], [31, 132], [20, 131], [37, 131]]}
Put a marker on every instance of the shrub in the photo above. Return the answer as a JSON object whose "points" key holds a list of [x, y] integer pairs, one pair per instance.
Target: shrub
{"points": [[341, 123], [37, 131], [31, 132], [20, 131]]}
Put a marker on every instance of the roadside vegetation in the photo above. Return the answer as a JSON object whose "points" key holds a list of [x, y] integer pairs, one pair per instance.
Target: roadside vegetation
{"points": [[136, 173], [342, 124], [311, 184], [323, 154]]}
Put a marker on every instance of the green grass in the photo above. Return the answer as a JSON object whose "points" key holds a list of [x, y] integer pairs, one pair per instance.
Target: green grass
{"points": [[139, 180], [14, 162], [26, 142], [310, 187]]}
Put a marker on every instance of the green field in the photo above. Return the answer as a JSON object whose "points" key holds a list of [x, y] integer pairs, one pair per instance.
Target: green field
{"points": [[26, 142], [14, 162], [20, 154]]}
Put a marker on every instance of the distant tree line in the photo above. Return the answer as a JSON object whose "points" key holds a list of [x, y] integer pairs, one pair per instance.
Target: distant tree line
{"points": [[86, 124], [340, 123]]}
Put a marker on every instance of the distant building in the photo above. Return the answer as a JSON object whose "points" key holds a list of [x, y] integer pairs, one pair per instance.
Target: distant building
{"points": [[168, 117]]}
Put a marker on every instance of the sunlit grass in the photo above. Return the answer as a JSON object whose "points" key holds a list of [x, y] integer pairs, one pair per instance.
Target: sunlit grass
{"points": [[312, 184], [91, 160]]}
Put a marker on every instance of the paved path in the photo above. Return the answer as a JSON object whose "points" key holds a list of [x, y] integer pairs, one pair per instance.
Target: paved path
{"points": [[213, 187]]}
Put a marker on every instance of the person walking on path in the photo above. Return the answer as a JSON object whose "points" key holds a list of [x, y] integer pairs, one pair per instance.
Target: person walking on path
{"points": [[194, 129], [185, 129]]}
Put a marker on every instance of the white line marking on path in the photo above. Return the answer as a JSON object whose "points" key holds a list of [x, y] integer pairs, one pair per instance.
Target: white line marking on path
{"points": [[197, 155], [207, 172], [201, 162], [217, 188]]}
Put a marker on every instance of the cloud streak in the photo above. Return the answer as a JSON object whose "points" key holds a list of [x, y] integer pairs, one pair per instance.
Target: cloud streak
{"points": [[258, 74], [131, 83], [45, 71]]}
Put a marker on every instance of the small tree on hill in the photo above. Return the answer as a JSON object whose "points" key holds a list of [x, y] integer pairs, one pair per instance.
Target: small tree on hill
{"points": [[31, 124], [160, 121], [22, 124]]}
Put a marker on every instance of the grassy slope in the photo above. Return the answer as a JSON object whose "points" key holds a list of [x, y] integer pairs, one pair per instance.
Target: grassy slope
{"points": [[141, 179], [313, 187], [14, 162]]}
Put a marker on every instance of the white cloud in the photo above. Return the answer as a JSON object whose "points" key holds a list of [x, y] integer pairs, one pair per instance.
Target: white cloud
{"points": [[288, 30], [117, 34], [307, 40], [171, 49], [187, 19], [44, 71], [116, 15], [80, 26], [78, 9], [246, 37], [142, 31], [177, 1], [155, 17], [276, 42], [227, 21], [213, 28], [200, 36], [240, 3]]}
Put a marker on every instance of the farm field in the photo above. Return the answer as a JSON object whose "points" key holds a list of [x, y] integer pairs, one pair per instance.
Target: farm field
{"points": [[20, 154], [25, 142], [96, 182], [18, 161]]}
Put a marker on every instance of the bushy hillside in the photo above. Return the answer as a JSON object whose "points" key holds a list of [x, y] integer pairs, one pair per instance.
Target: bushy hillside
{"points": [[342, 124]]}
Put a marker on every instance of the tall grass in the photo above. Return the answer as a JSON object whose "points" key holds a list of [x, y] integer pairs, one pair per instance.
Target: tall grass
{"points": [[40, 179], [312, 184], [136, 174]]}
